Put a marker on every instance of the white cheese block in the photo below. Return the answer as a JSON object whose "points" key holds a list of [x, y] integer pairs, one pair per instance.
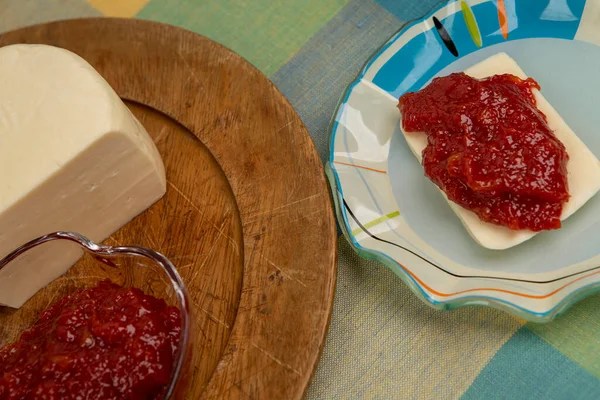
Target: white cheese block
{"points": [[583, 168], [72, 157]]}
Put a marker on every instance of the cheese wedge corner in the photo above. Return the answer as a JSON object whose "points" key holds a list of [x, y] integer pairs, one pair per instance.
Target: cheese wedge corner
{"points": [[72, 158]]}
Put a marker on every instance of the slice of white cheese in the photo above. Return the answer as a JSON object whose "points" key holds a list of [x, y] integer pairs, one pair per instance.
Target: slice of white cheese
{"points": [[583, 167], [72, 157]]}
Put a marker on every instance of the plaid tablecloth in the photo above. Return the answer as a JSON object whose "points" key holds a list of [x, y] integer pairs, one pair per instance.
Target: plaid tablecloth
{"points": [[383, 342]]}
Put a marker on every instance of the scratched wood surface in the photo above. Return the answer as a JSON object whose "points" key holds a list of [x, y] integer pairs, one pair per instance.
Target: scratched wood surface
{"points": [[247, 217]]}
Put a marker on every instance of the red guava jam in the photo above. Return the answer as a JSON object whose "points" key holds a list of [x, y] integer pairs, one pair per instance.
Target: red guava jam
{"points": [[490, 149], [105, 342]]}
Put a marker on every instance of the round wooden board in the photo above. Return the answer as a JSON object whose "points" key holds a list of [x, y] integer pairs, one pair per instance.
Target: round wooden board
{"points": [[247, 217]]}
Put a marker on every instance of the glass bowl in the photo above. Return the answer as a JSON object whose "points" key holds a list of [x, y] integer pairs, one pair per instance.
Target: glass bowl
{"points": [[128, 266]]}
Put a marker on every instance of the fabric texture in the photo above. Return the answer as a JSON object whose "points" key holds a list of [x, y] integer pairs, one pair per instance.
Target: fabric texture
{"points": [[383, 342]]}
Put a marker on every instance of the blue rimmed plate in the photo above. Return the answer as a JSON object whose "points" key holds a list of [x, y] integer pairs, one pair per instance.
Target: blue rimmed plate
{"points": [[391, 212]]}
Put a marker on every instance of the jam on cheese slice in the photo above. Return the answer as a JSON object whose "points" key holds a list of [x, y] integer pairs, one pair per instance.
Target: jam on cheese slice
{"points": [[523, 196]]}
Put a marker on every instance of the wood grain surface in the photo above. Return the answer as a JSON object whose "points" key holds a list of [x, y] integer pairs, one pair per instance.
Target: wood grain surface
{"points": [[247, 217]]}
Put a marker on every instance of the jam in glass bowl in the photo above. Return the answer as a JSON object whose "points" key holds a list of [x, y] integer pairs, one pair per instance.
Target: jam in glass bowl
{"points": [[116, 325]]}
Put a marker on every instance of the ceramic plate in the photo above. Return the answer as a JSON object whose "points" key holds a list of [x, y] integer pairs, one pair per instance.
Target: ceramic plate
{"points": [[391, 212]]}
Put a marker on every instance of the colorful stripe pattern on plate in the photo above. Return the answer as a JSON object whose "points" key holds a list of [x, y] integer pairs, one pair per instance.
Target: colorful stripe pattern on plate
{"points": [[442, 264]]}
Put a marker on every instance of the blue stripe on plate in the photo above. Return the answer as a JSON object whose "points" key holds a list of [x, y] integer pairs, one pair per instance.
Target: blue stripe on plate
{"points": [[525, 19]]}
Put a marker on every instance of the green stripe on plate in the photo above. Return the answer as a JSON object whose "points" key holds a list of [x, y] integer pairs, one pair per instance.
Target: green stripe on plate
{"points": [[471, 23], [376, 221]]}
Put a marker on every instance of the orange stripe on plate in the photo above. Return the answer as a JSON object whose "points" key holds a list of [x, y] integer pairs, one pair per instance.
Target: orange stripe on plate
{"points": [[502, 18], [360, 166], [531, 296]]}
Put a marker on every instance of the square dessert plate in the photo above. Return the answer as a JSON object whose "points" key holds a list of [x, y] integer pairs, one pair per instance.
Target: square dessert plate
{"points": [[389, 210]]}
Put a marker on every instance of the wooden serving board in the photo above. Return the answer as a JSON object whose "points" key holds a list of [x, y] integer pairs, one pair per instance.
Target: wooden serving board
{"points": [[247, 217]]}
